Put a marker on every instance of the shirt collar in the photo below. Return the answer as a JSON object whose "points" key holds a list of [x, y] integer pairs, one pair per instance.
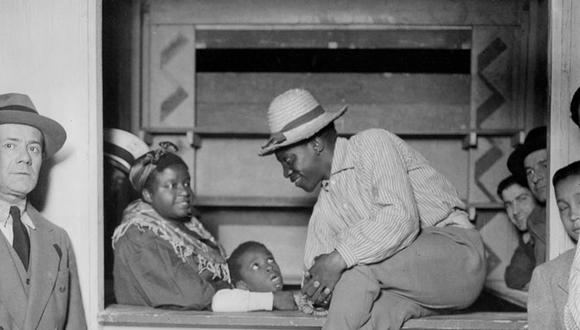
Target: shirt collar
{"points": [[340, 161], [5, 213]]}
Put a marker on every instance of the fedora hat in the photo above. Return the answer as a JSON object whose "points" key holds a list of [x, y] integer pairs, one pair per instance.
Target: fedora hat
{"points": [[293, 116], [18, 109], [535, 140], [123, 148]]}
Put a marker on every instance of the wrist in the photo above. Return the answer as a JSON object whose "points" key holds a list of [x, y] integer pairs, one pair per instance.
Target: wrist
{"points": [[338, 261]]}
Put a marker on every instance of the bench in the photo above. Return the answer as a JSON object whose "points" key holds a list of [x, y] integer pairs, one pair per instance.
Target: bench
{"points": [[117, 317]]}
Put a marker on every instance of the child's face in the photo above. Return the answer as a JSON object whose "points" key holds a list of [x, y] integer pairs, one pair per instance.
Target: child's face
{"points": [[259, 271], [170, 193], [568, 199]]}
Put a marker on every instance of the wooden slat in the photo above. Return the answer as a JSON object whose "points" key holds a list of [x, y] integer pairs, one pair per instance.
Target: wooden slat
{"points": [[239, 132], [254, 202], [351, 39], [402, 102], [149, 318], [395, 12], [228, 169]]}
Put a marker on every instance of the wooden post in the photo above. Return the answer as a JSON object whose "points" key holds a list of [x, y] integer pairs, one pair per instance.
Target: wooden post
{"points": [[564, 135]]}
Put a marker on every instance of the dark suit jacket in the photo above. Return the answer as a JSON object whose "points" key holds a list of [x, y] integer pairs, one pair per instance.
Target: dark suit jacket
{"points": [[54, 298], [549, 292]]}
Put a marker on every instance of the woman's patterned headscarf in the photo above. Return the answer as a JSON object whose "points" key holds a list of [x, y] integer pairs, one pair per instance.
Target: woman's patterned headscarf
{"points": [[146, 164]]}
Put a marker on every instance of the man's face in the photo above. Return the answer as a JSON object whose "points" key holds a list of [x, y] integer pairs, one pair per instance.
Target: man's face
{"points": [[568, 199], [20, 160], [302, 165], [536, 167], [259, 270], [519, 203], [170, 193]]}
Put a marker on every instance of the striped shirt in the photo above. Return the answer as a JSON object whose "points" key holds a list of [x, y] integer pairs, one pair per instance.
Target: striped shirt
{"points": [[572, 309], [380, 192]]}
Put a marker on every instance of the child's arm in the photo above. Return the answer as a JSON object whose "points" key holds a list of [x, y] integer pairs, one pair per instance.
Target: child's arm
{"points": [[237, 300]]}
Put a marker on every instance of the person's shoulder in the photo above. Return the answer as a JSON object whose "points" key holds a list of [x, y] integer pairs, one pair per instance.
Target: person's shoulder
{"points": [[372, 133], [135, 235], [558, 265], [40, 220], [372, 136]]}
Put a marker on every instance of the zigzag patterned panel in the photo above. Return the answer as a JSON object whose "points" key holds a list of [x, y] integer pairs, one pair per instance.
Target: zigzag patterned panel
{"points": [[489, 161], [493, 96], [171, 69]]}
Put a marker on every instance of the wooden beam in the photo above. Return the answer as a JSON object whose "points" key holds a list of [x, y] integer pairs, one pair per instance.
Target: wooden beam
{"points": [[398, 102], [150, 318], [350, 39], [394, 12]]}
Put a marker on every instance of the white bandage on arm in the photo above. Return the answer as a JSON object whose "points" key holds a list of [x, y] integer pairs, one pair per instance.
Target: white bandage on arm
{"points": [[237, 300]]}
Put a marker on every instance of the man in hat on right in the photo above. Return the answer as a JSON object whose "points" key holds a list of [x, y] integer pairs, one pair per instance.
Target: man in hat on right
{"points": [[388, 238], [530, 161]]}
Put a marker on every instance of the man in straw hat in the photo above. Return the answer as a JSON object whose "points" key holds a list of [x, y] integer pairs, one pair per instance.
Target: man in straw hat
{"points": [[39, 286], [388, 238], [120, 150]]}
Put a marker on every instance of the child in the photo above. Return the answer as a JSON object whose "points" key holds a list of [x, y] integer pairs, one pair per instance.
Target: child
{"points": [[258, 281], [549, 285], [164, 257]]}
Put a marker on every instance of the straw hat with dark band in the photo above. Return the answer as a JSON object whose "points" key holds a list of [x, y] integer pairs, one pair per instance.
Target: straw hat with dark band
{"points": [[293, 116], [18, 109], [123, 147]]}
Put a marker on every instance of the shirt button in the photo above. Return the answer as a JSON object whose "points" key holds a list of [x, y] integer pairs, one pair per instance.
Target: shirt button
{"points": [[27, 281]]}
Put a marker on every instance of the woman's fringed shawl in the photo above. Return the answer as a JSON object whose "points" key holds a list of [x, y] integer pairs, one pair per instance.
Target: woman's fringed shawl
{"points": [[144, 217]]}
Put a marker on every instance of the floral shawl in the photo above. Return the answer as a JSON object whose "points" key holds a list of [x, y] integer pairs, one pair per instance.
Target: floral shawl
{"points": [[144, 217]]}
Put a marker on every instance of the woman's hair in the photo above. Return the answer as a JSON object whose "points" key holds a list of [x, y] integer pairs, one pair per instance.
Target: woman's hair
{"points": [[234, 259], [153, 162]]}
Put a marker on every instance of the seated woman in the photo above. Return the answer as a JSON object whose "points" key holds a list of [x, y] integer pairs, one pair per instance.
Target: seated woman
{"points": [[163, 255]]}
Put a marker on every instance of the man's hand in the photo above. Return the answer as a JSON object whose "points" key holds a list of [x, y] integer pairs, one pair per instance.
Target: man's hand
{"points": [[284, 301], [322, 277]]}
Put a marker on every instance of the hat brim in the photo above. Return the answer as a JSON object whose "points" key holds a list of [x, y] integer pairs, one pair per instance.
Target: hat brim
{"points": [[53, 133], [304, 132], [515, 161]]}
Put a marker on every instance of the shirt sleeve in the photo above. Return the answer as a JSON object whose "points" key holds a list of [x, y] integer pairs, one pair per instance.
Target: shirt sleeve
{"points": [[519, 272], [394, 222], [237, 300], [572, 309], [164, 280]]}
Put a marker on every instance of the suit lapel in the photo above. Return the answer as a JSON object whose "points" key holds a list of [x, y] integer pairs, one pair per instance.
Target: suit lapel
{"points": [[44, 265], [12, 294]]}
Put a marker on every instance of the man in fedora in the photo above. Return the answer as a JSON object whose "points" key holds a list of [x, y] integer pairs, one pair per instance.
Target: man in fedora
{"points": [[530, 161], [388, 238], [39, 286]]}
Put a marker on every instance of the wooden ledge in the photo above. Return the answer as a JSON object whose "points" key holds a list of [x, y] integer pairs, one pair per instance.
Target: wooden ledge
{"points": [[124, 317]]}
